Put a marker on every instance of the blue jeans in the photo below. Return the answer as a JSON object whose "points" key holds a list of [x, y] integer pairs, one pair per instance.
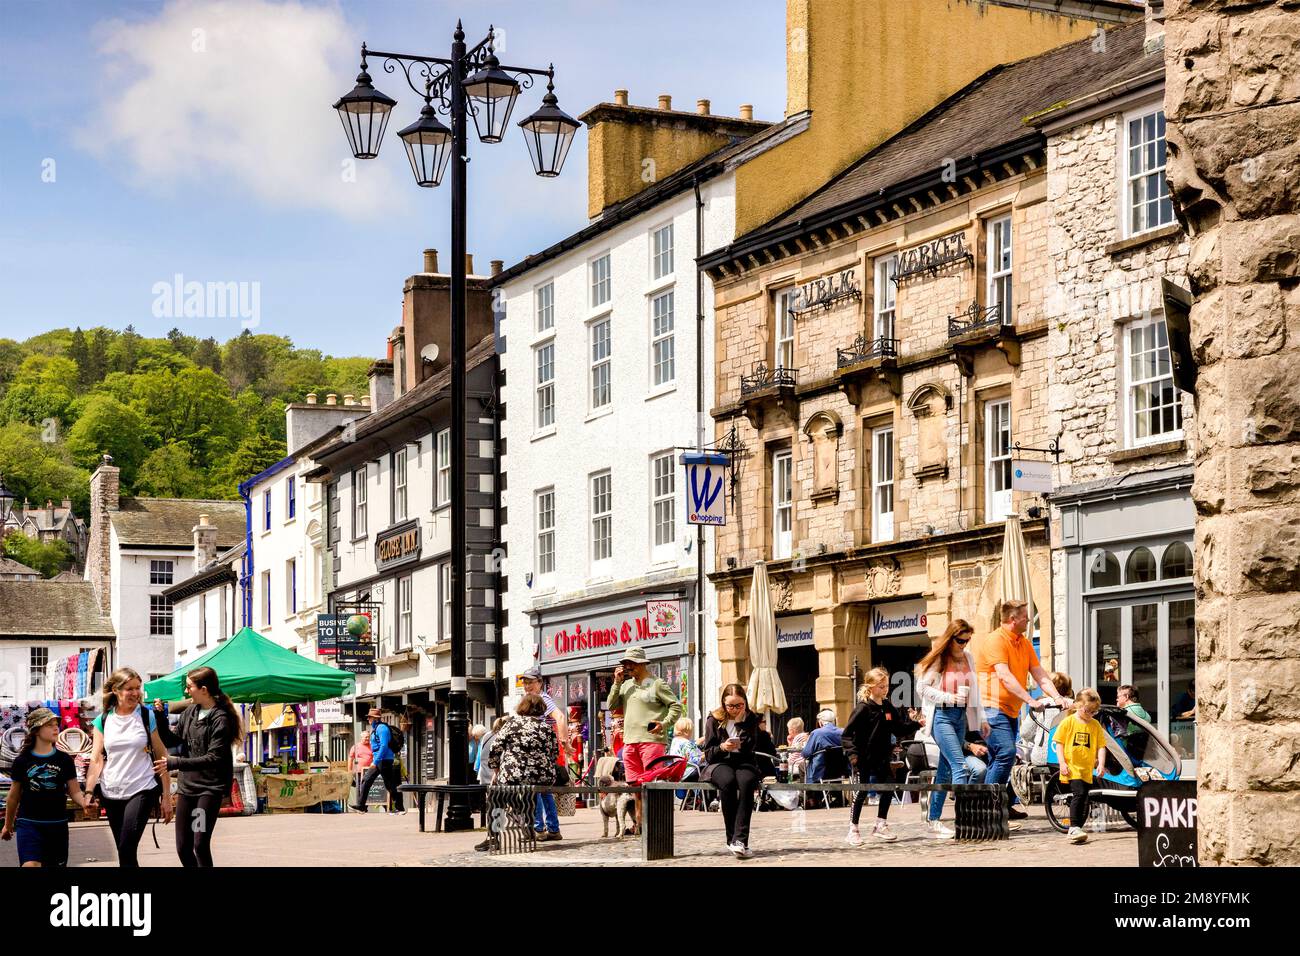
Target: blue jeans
{"points": [[816, 767], [1002, 745], [977, 768], [948, 730], [546, 815]]}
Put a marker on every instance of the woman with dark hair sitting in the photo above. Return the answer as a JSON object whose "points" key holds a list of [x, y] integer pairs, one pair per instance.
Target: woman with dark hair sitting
{"points": [[730, 733]]}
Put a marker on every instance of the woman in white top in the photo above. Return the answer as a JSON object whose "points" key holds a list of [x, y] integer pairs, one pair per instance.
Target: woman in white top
{"points": [[125, 746], [950, 700]]}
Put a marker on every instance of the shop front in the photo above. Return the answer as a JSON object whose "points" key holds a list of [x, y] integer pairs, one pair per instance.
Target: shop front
{"points": [[1131, 601], [899, 635], [580, 644]]}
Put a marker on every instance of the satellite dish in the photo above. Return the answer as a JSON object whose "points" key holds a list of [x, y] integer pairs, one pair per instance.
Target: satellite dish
{"points": [[430, 352]]}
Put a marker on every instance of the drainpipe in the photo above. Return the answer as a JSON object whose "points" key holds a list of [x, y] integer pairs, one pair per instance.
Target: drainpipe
{"points": [[246, 577], [700, 609]]}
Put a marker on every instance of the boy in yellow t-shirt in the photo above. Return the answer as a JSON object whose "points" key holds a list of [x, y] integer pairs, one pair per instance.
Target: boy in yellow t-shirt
{"points": [[1081, 747]]}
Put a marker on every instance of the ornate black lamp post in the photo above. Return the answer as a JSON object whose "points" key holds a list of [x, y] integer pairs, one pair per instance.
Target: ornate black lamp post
{"points": [[6, 505], [471, 83]]}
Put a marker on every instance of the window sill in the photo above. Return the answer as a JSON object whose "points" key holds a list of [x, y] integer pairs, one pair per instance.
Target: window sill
{"points": [[602, 311], [543, 433], [662, 390], [1149, 451], [399, 658], [601, 413], [290, 520], [599, 579], [364, 537], [1122, 246]]}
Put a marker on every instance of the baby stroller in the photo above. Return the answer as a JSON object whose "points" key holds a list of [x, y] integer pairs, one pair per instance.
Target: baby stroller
{"points": [[1135, 752]]}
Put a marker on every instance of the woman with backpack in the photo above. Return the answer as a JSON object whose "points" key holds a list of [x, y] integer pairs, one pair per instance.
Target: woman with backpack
{"points": [[126, 744], [207, 731], [385, 745]]}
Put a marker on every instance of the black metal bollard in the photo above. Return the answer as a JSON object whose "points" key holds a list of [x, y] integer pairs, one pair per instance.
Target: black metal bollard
{"points": [[657, 804]]}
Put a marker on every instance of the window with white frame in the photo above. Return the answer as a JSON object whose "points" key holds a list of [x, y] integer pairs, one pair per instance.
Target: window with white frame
{"points": [[999, 267], [782, 504], [404, 616], [663, 497], [160, 615], [290, 498], [442, 479], [38, 660], [1154, 405], [662, 255], [266, 598], [783, 355], [161, 572], [885, 296], [662, 344], [359, 492], [545, 532], [545, 385], [1147, 203], [602, 517], [203, 619], [546, 307], [444, 587], [291, 586], [882, 484], [600, 285], [266, 510], [997, 452], [400, 500], [601, 346]]}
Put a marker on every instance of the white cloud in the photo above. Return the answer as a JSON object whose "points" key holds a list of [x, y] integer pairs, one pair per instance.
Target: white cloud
{"points": [[238, 93]]}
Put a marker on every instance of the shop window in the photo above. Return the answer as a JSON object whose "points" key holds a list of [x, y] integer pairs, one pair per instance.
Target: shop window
{"points": [[1176, 562], [1140, 567], [1103, 571]]}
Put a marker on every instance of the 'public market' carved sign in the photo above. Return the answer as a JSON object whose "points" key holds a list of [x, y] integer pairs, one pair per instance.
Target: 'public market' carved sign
{"points": [[826, 291], [933, 256]]}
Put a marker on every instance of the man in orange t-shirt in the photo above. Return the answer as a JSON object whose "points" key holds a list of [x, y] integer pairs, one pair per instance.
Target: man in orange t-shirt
{"points": [[1004, 661]]}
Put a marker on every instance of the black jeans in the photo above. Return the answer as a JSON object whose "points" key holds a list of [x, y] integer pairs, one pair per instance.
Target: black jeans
{"points": [[128, 819], [196, 818], [881, 773], [387, 769], [1079, 790], [736, 788]]}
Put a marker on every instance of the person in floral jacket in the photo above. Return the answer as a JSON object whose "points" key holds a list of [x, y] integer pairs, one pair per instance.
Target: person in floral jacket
{"points": [[525, 749]]}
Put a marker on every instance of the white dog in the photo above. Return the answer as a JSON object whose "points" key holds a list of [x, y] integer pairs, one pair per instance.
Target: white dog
{"points": [[618, 807]]}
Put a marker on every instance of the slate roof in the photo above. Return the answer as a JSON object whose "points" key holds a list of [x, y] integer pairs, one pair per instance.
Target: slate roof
{"points": [[51, 609], [67, 577], [10, 566], [170, 521]]}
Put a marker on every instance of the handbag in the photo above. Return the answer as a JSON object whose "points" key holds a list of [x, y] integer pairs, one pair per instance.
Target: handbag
{"points": [[566, 804]]}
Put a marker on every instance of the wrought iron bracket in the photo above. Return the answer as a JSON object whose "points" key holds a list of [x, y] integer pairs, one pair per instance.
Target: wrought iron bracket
{"points": [[1053, 448]]}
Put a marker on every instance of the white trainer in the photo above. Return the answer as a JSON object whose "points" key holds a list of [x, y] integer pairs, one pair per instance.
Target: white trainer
{"points": [[855, 836], [883, 833], [739, 850], [1078, 835], [938, 831]]}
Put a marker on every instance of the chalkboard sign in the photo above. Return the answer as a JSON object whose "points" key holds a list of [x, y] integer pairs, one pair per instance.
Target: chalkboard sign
{"points": [[1167, 824]]}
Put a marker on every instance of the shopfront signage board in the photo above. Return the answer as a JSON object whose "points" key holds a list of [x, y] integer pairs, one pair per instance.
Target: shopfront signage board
{"points": [[706, 475], [795, 631], [1033, 476], [894, 618]]}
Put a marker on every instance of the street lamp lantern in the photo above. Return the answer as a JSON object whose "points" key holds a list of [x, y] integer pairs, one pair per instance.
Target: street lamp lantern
{"points": [[6, 505], [364, 113], [428, 146], [549, 134], [492, 93]]}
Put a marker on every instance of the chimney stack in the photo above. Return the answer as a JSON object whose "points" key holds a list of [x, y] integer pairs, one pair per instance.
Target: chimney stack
{"points": [[431, 260], [469, 263], [665, 101], [105, 488], [620, 97], [702, 107], [205, 543], [49, 513], [1155, 31], [747, 111], [497, 266]]}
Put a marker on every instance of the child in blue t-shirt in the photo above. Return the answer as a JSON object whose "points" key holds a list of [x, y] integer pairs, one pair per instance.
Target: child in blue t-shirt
{"points": [[36, 810]]}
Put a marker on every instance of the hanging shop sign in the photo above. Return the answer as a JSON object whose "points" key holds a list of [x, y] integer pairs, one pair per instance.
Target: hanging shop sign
{"points": [[795, 631], [823, 293], [354, 646], [1031, 476], [898, 617], [328, 627], [664, 617], [600, 634], [706, 474], [933, 256], [1167, 824], [398, 546]]}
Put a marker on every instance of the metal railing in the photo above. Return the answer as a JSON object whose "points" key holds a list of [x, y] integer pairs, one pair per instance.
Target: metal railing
{"points": [[975, 319], [864, 349], [762, 377]]}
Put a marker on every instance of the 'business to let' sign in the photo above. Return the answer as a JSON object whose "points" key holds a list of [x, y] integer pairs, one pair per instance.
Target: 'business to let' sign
{"points": [[706, 474]]}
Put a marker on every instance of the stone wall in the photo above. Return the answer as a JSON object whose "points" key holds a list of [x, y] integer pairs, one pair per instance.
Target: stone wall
{"points": [[1234, 140]]}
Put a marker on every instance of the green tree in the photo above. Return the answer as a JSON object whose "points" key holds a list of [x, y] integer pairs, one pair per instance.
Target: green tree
{"points": [[107, 425], [169, 472], [127, 353], [11, 358], [245, 361], [255, 454], [43, 388], [100, 340], [193, 407], [182, 343], [207, 354], [79, 354], [38, 470], [49, 557]]}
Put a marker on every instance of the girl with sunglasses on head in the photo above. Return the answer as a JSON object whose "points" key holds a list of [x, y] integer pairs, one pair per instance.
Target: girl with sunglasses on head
{"points": [[730, 733], [950, 697]]}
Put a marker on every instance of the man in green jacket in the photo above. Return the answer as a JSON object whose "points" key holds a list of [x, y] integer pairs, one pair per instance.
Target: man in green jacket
{"points": [[649, 708]]}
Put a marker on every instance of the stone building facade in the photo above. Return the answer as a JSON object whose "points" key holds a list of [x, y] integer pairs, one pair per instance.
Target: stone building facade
{"points": [[1234, 129]]}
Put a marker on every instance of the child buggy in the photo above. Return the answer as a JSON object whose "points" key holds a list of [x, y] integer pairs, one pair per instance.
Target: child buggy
{"points": [[1135, 752]]}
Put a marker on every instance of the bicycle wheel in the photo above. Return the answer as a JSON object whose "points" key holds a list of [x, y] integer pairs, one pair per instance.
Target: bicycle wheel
{"points": [[1057, 804]]}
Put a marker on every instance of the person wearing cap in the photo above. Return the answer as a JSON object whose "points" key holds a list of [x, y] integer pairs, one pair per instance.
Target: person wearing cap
{"points": [[546, 816], [36, 810], [649, 708], [384, 764], [826, 737]]}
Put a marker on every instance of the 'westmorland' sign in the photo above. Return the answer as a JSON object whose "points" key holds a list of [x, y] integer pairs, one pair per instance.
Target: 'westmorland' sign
{"points": [[826, 291], [932, 256], [898, 617], [399, 545]]}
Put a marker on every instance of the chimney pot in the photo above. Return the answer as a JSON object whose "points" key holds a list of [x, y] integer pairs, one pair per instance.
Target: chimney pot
{"points": [[331, 399], [469, 263], [747, 111], [431, 260], [702, 107], [349, 400], [203, 519], [665, 101], [365, 400], [497, 266], [311, 398], [620, 97]]}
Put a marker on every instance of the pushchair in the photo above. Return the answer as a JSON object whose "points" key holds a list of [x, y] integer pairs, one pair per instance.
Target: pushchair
{"points": [[1135, 752]]}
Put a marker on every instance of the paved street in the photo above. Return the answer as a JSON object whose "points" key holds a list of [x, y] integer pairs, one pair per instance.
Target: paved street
{"points": [[779, 839]]}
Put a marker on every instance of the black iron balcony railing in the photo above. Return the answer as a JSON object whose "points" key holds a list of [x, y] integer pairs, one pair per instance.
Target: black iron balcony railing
{"points": [[762, 377], [975, 319], [864, 349]]}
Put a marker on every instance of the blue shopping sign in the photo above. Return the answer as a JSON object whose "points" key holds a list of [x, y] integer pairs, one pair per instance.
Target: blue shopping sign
{"points": [[706, 475]]}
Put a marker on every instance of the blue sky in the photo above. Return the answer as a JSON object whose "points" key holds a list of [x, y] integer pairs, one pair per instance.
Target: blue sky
{"points": [[195, 137]]}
